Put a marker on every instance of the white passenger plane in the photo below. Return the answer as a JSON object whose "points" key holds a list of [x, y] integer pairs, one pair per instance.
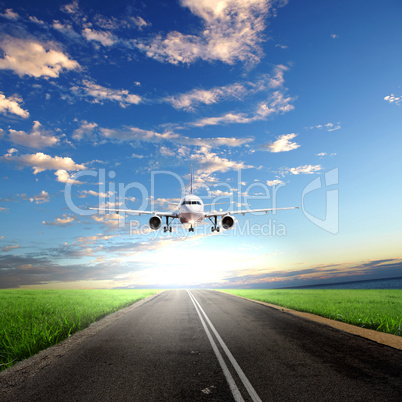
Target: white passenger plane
{"points": [[191, 211]]}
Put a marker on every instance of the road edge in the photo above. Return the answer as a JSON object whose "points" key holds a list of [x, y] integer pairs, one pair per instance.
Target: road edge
{"points": [[24, 369], [383, 338]]}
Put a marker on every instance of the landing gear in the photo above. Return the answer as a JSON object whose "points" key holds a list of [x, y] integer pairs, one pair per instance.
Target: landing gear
{"points": [[191, 229], [215, 224], [168, 228]]}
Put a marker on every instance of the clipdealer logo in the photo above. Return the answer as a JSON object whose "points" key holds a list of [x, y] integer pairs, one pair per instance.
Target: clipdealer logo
{"points": [[330, 223]]}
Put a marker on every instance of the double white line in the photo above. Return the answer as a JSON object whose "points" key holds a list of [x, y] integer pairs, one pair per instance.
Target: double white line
{"points": [[232, 384]]}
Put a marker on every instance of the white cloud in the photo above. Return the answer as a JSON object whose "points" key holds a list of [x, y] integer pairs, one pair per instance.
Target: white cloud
{"points": [[277, 80], [166, 151], [137, 134], [110, 220], [332, 127], [282, 144], [63, 221], [210, 163], [328, 126], [41, 162], [188, 101], [37, 139], [393, 99], [103, 37], [228, 118], [306, 169], [40, 198], [100, 93], [36, 20], [71, 8], [85, 130], [8, 248], [85, 193], [62, 175], [137, 156], [195, 97], [10, 14], [273, 182], [139, 22], [232, 31], [10, 105], [29, 57], [277, 103]]}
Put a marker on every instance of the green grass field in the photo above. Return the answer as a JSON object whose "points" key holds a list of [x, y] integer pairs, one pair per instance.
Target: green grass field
{"points": [[380, 310], [33, 320]]}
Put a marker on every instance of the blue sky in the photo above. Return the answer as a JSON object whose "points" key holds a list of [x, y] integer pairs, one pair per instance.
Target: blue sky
{"points": [[273, 103]]}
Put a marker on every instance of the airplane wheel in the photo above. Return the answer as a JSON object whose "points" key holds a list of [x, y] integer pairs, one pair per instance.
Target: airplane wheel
{"points": [[170, 229], [212, 230], [218, 229]]}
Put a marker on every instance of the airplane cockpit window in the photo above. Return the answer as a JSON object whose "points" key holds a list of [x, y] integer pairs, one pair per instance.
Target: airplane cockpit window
{"points": [[191, 203]]}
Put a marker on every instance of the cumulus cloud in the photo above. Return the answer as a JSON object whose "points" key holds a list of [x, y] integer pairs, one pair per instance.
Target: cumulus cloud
{"points": [[64, 177], [282, 144], [277, 80], [189, 100], [110, 220], [29, 57], [228, 118], [210, 163], [40, 198], [85, 130], [103, 37], [10, 14], [393, 99], [86, 193], [37, 139], [41, 162], [11, 105], [305, 169], [232, 30], [71, 8], [273, 182], [139, 22], [100, 93], [65, 220]]}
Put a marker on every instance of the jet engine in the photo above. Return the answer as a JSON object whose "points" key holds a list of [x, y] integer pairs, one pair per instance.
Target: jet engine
{"points": [[227, 222], [155, 222]]}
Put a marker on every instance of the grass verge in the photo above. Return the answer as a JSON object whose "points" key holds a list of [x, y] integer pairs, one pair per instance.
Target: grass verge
{"points": [[380, 310], [33, 320]]}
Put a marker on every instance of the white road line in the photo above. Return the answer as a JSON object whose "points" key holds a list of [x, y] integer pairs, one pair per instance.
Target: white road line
{"points": [[250, 389], [231, 382]]}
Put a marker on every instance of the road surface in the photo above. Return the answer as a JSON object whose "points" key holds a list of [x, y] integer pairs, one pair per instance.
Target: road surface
{"points": [[205, 345]]}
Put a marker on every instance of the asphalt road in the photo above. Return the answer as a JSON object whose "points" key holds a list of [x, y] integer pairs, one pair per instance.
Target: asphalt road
{"points": [[205, 345]]}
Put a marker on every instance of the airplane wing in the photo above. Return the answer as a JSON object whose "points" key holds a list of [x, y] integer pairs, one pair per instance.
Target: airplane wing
{"points": [[136, 212], [244, 211]]}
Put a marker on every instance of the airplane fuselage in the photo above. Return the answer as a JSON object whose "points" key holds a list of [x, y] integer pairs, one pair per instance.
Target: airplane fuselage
{"points": [[191, 210]]}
